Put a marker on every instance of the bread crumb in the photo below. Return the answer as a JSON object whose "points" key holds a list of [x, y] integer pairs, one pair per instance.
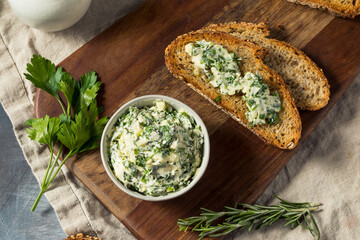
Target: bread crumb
{"points": [[81, 236]]}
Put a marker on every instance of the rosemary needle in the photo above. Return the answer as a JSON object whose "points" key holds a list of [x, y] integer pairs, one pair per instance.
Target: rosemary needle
{"points": [[252, 217]]}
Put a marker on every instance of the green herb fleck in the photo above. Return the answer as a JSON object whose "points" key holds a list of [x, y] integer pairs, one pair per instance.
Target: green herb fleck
{"points": [[218, 99]]}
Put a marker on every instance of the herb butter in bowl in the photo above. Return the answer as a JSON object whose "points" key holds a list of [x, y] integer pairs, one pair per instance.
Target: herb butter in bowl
{"points": [[155, 148]]}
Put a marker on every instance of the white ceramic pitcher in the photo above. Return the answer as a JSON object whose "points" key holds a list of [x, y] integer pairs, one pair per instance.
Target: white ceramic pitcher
{"points": [[50, 15]]}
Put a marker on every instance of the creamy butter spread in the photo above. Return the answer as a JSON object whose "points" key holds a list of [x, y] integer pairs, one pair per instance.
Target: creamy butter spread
{"points": [[156, 150], [220, 68]]}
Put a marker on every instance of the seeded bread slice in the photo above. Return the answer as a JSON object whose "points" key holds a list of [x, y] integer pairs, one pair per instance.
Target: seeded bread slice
{"points": [[286, 133], [339, 8], [306, 82]]}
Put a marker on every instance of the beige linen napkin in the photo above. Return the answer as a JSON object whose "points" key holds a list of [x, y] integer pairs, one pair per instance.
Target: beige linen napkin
{"points": [[79, 211], [326, 168]]}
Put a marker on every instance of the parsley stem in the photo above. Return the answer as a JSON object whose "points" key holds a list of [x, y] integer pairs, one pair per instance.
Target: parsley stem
{"points": [[68, 109], [61, 104], [37, 199], [53, 165], [46, 183], [48, 167], [58, 169]]}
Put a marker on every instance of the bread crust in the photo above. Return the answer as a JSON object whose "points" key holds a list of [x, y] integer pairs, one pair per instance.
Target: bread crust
{"points": [[284, 134], [303, 99], [239, 27], [335, 8]]}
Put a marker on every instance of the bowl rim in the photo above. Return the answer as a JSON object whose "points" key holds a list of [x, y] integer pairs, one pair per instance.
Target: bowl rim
{"points": [[140, 102]]}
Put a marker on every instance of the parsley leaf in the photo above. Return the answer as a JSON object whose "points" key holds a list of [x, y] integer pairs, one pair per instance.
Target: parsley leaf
{"points": [[75, 133], [64, 118], [82, 133], [67, 86], [43, 74], [88, 80], [95, 127], [87, 91], [44, 130]]}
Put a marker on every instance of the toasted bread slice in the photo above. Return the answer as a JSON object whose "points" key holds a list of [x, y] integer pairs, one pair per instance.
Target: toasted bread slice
{"points": [[306, 82], [339, 8], [286, 133]]}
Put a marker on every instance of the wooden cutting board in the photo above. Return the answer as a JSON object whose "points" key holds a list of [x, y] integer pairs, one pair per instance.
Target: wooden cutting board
{"points": [[129, 59]]}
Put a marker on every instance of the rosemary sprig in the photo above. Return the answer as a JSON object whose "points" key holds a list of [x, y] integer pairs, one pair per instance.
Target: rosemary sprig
{"points": [[252, 217]]}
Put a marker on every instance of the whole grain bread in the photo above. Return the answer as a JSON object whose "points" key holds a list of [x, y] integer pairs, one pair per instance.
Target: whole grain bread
{"points": [[306, 82], [339, 8], [286, 133]]}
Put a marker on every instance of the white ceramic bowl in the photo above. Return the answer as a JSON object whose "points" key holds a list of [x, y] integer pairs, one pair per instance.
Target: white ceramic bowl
{"points": [[49, 15], [139, 102]]}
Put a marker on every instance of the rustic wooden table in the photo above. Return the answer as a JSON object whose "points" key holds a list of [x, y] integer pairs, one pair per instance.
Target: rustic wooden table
{"points": [[18, 190]]}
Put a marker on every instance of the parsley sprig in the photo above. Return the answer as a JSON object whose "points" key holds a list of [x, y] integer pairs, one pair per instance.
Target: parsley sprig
{"points": [[78, 128], [252, 217]]}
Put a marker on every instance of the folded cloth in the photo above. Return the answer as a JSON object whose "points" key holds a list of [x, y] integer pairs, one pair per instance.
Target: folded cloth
{"points": [[325, 168], [79, 211]]}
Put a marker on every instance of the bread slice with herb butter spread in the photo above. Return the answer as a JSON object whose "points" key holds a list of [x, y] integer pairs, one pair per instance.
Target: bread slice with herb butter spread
{"points": [[306, 82], [282, 127], [339, 8]]}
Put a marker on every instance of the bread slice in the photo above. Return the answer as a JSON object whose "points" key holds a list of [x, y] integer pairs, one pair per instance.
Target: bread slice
{"points": [[339, 8], [306, 82], [286, 133]]}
